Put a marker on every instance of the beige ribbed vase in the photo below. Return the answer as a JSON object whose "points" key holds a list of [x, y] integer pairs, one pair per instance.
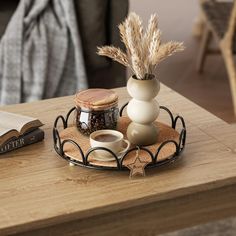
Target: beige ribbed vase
{"points": [[143, 109]]}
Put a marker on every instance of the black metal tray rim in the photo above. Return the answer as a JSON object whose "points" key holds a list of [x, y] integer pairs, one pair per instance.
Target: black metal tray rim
{"points": [[59, 145]]}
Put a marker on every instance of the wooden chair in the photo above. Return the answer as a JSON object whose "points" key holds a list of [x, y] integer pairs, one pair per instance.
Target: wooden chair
{"points": [[220, 23]]}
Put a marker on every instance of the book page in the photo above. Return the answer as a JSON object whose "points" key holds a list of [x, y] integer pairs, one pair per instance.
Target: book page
{"points": [[6, 134], [9, 121], [4, 130]]}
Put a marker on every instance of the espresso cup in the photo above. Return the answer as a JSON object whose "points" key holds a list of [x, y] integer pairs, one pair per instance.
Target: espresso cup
{"points": [[110, 139]]}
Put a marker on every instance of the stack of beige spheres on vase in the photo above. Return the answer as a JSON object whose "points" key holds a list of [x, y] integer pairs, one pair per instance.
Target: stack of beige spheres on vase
{"points": [[143, 110], [144, 51]]}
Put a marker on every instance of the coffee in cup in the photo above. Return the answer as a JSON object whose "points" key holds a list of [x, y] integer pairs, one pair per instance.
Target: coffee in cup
{"points": [[106, 138], [110, 139]]}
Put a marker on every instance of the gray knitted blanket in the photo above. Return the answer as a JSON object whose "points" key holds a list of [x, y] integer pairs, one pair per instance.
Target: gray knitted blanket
{"points": [[40, 52]]}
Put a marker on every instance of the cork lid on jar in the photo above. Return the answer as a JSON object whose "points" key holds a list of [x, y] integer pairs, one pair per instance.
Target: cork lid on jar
{"points": [[96, 99]]}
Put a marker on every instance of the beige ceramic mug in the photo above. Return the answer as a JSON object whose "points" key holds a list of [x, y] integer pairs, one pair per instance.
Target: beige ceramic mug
{"points": [[111, 139]]}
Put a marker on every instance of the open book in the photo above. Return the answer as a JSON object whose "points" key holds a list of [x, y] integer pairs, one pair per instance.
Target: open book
{"points": [[14, 125]]}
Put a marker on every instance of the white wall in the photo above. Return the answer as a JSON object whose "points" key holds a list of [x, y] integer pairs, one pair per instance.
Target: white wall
{"points": [[176, 17]]}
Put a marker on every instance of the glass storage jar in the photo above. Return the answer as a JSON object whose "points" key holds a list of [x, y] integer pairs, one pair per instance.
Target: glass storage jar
{"points": [[96, 109]]}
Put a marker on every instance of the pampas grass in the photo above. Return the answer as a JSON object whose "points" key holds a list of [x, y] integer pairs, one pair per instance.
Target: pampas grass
{"points": [[144, 50], [115, 53]]}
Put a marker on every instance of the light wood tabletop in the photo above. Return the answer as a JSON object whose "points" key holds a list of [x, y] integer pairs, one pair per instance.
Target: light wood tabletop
{"points": [[40, 194]]}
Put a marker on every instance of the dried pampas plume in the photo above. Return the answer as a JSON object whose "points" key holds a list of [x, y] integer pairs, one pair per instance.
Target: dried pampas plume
{"points": [[144, 50], [115, 53]]}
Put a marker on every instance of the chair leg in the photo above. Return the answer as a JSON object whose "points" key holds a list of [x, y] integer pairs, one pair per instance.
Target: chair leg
{"points": [[198, 26], [207, 35], [231, 70]]}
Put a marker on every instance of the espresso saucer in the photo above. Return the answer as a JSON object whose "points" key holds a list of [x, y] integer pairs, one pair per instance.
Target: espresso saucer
{"points": [[98, 157]]}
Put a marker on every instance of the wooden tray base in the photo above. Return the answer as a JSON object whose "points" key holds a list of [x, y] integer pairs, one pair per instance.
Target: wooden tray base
{"points": [[165, 133]]}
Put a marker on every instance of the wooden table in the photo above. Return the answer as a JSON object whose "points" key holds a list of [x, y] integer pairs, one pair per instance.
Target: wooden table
{"points": [[40, 194]]}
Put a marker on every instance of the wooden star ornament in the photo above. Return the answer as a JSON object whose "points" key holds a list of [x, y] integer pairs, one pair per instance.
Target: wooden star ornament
{"points": [[138, 166]]}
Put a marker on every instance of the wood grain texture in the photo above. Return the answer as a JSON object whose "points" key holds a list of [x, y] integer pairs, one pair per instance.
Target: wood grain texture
{"points": [[165, 216], [40, 190], [96, 99]]}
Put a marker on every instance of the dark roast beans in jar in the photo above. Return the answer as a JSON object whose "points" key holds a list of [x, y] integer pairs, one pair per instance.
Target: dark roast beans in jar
{"points": [[96, 109]]}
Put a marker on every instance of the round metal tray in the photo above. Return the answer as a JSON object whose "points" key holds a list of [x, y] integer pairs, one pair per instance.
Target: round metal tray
{"points": [[73, 146]]}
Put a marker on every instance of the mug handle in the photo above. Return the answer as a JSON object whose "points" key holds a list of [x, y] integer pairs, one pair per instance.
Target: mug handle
{"points": [[128, 146]]}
